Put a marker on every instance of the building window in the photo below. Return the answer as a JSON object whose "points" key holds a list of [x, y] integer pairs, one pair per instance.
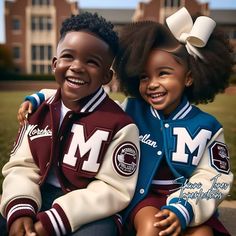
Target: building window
{"points": [[49, 52], [41, 52], [41, 56], [49, 68], [16, 52], [33, 23], [40, 69], [172, 3], [34, 69], [41, 2], [41, 23], [33, 53], [16, 24], [34, 2], [177, 3], [49, 23], [48, 2]]}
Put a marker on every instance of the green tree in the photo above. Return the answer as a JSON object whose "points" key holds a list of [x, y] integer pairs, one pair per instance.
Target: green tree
{"points": [[6, 62]]}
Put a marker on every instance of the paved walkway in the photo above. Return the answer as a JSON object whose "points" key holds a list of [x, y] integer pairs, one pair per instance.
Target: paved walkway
{"points": [[227, 212]]}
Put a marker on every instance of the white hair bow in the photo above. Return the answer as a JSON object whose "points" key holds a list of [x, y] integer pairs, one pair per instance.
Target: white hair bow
{"points": [[192, 35]]}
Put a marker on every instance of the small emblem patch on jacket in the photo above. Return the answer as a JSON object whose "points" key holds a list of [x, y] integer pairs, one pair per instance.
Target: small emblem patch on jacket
{"points": [[125, 159], [220, 157]]}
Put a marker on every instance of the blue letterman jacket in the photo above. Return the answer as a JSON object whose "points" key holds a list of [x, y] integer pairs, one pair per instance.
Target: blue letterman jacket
{"points": [[192, 142]]}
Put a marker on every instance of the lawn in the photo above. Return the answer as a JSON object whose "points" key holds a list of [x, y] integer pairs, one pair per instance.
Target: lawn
{"points": [[223, 108]]}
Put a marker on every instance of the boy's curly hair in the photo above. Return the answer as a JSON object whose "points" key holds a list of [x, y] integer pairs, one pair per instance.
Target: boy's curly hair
{"points": [[210, 76], [92, 23]]}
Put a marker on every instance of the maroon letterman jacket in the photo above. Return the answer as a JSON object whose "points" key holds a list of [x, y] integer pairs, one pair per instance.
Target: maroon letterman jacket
{"points": [[95, 155]]}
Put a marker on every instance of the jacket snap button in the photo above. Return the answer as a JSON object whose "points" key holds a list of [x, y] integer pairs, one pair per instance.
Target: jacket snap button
{"points": [[159, 153], [141, 191], [167, 125]]}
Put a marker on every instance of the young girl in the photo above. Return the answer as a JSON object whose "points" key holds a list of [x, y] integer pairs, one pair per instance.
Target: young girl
{"points": [[184, 172], [184, 159]]}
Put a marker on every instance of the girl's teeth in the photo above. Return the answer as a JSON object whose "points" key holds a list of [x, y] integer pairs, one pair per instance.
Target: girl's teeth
{"points": [[156, 95]]}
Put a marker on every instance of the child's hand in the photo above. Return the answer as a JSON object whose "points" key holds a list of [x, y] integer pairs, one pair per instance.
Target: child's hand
{"points": [[169, 221], [25, 109], [22, 226], [39, 229]]}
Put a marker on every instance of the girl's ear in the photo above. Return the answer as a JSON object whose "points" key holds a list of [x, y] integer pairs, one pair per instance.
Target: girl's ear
{"points": [[108, 77], [189, 79], [54, 63]]}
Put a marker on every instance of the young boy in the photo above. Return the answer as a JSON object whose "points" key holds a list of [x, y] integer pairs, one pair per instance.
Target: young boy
{"points": [[76, 160]]}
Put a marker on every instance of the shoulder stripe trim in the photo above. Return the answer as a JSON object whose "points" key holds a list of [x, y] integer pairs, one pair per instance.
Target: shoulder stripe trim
{"points": [[20, 139], [51, 99], [181, 111], [98, 102], [186, 112], [91, 105], [155, 113], [180, 115], [94, 101]]}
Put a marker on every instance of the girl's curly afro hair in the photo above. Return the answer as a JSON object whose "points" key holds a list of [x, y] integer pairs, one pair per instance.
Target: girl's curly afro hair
{"points": [[210, 76]]}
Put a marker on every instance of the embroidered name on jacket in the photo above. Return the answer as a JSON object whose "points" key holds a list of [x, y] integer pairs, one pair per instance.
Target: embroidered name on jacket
{"points": [[35, 132], [146, 139]]}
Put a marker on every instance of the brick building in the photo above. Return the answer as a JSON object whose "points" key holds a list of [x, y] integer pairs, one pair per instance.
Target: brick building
{"points": [[32, 31], [32, 25], [159, 10]]}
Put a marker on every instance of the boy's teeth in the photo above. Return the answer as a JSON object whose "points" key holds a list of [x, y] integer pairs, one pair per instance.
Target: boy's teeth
{"points": [[76, 81]]}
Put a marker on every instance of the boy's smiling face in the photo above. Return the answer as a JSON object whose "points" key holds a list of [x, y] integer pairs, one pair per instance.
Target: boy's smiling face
{"points": [[81, 66]]}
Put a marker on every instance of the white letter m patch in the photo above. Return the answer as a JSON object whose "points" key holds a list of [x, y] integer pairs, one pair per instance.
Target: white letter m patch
{"points": [[184, 139], [92, 145]]}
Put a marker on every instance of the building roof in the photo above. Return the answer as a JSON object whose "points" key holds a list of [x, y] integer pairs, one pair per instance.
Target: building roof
{"points": [[116, 16], [224, 16]]}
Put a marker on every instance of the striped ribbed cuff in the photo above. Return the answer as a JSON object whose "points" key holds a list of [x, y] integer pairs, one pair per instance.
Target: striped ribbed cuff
{"points": [[36, 99], [55, 221], [182, 209], [19, 208]]}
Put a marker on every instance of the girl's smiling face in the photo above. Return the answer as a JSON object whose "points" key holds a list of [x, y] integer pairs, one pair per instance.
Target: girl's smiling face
{"points": [[163, 82], [82, 66]]}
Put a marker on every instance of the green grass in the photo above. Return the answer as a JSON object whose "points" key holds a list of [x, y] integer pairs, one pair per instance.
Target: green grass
{"points": [[9, 104], [223, 108]]}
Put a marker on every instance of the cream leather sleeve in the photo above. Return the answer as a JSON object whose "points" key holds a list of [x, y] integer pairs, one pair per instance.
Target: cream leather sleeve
{"points": [[208, 185], [48, 92], [114, 186], [21, 174]]}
